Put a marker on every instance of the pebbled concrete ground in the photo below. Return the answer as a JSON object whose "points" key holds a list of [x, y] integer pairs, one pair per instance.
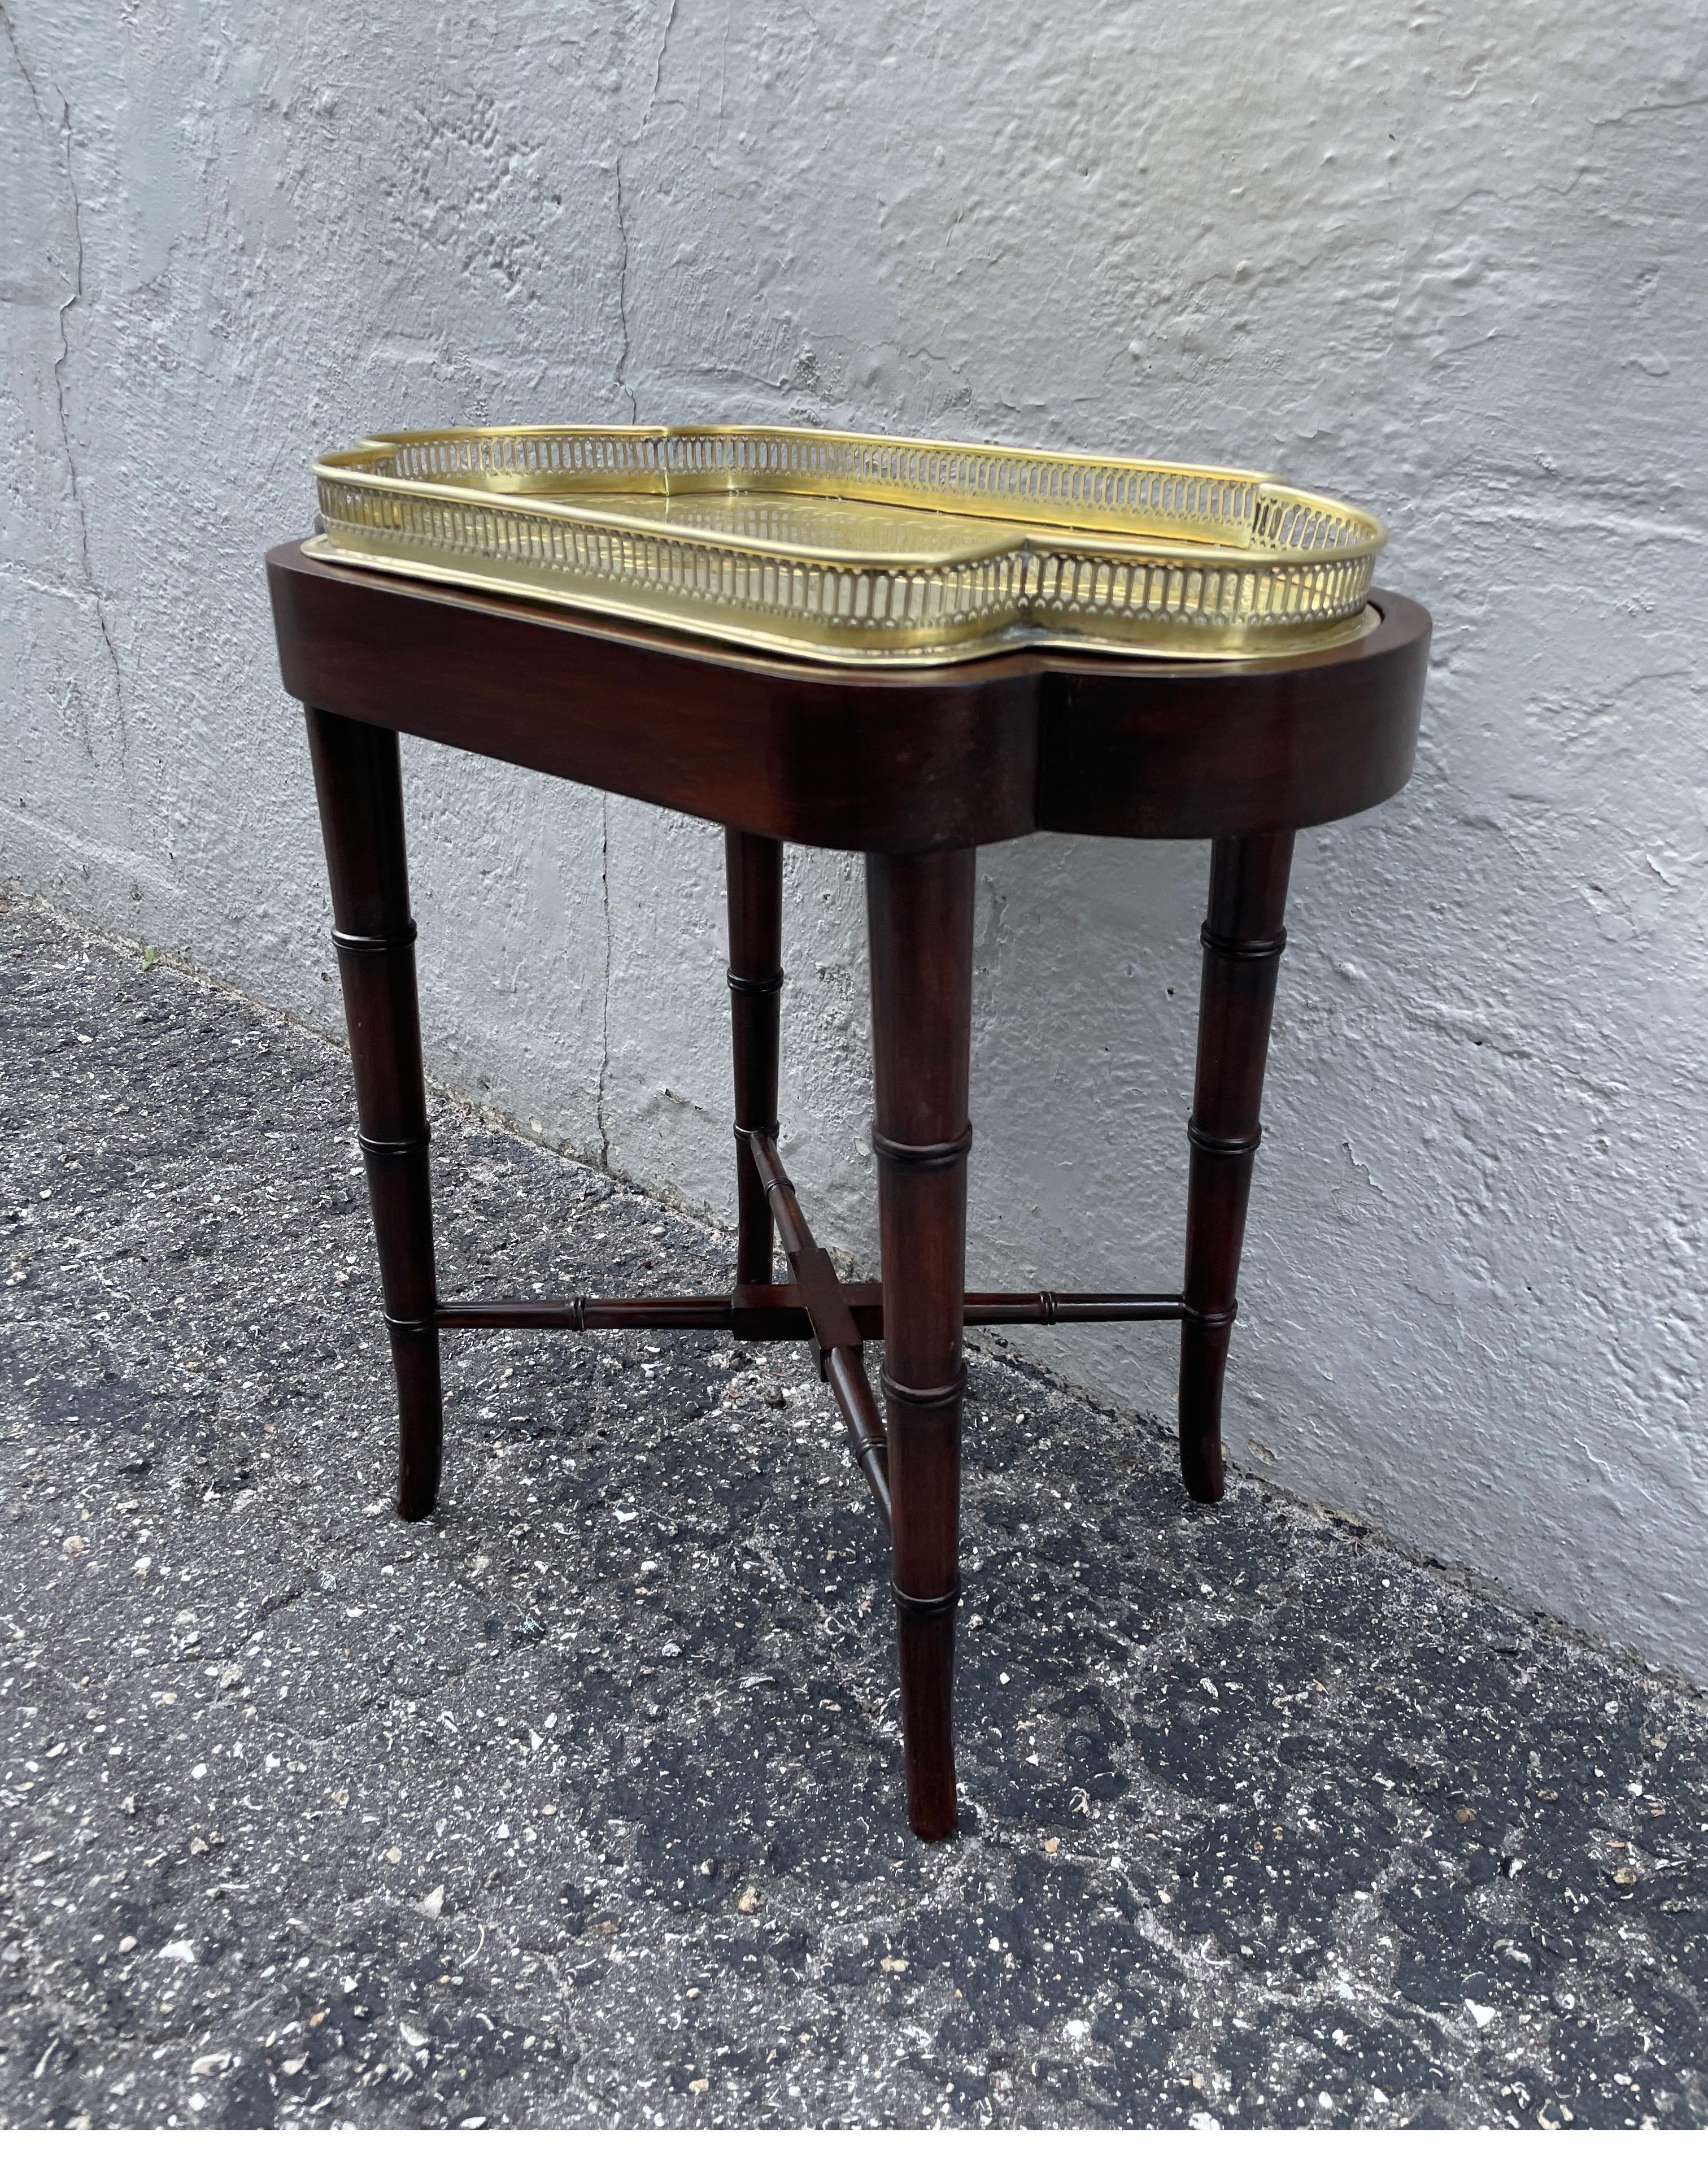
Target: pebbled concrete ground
{"points": [[581, 1803]]}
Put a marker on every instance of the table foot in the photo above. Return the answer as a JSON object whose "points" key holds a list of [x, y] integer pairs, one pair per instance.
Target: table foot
{"points": [[415, 1359], [925, 1649], [360, 790], [920, 912], [1242, 936]]}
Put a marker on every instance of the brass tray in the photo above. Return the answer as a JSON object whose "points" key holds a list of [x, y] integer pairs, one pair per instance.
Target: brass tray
{"points": [[836, 547]]}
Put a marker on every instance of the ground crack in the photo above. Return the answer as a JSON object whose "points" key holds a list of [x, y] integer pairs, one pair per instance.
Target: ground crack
{"points": [[268, 1608]]}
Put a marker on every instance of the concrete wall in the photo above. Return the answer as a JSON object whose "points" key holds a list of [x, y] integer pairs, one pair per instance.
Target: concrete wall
{"points": [[1446, 259]]}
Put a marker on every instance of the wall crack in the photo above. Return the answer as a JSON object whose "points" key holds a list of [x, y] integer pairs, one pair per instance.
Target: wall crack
{"points": [[63, 129], [658, 62], [623, 297], [623, 215]]}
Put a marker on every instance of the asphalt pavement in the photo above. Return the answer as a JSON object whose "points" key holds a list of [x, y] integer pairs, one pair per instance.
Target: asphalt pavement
{"points": [[580, 1804]]}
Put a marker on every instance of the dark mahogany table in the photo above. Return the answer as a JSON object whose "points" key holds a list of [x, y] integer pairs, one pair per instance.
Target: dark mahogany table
{"points": [[915, 768]]}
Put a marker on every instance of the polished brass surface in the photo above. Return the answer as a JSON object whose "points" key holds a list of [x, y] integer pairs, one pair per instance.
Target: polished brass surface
{"points": [[850, 550]]}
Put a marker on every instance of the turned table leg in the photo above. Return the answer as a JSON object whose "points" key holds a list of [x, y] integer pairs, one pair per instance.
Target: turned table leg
{"points": [[920, 910], [1242, 937], [754, 868], [361, 794]]}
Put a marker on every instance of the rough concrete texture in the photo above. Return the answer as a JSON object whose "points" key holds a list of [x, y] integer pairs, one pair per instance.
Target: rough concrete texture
{"points": [[1445, 259], [581, 1803]]}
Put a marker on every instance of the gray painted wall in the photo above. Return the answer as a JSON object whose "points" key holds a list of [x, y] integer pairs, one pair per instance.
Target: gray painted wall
{"points": [[1445, 259]]}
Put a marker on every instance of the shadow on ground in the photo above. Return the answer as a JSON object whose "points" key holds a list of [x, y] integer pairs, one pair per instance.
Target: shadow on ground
{"points": [[581, 1803]]}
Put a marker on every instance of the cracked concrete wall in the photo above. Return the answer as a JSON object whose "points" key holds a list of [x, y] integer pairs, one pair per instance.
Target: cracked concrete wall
{"points": [[1447, 262]]}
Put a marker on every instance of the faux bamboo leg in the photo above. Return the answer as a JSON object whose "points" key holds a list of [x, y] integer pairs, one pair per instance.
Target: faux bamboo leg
{"points": [[361, 794], [1244, 936], [920, 909], [754, 869]]}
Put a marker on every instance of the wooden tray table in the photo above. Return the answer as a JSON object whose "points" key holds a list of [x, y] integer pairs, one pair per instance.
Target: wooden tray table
{"points": [[915, 768]]}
